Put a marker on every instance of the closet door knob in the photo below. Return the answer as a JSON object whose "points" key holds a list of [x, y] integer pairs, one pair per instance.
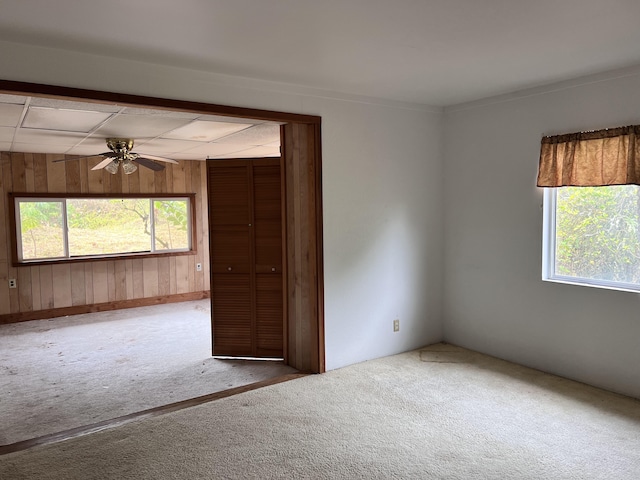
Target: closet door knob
{"points": [[273, 269], [229, 268]]}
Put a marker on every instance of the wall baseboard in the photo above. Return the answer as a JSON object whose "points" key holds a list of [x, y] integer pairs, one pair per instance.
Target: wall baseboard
{"points": [[100, 307]]}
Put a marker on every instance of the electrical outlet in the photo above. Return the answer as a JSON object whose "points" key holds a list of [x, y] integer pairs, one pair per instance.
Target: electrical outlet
{"points": [[396, 325], [198, 267], [13, 283]]}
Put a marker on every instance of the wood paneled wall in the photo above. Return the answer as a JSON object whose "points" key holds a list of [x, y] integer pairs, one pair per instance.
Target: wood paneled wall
{"points": [[125, 282]]}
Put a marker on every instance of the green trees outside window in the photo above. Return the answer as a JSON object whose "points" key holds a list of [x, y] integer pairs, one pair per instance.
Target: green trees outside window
{"points": [[597, 233], [42, 226], [90, 227]]}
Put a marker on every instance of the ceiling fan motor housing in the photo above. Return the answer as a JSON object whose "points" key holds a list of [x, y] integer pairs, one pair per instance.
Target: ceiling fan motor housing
{"points": [[120, 154], [120, 146]]}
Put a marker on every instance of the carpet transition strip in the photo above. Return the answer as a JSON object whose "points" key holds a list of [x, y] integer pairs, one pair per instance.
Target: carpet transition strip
{"points": [[133, 417]]}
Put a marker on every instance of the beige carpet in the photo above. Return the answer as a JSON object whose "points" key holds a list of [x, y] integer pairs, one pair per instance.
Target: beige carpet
{"points": [[439, 413], [78, 370]]}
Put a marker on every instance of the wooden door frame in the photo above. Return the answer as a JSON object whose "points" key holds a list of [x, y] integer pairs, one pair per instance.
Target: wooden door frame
{"points": [[302, 176]]}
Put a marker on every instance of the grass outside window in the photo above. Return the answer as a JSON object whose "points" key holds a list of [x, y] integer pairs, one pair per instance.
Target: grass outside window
{"points": [[74, 228]]}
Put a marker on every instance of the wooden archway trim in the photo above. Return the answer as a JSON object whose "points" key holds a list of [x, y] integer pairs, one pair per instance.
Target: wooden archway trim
{"points": [[304, 338], [96, 96], [302, 160]]}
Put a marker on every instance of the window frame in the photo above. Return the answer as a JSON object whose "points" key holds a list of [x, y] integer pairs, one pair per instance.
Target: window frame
{"points": [[549, 252], [15, 235]]}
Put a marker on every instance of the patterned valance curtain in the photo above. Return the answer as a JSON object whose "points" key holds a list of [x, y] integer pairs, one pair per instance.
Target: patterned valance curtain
{"points": [[591, 159]]}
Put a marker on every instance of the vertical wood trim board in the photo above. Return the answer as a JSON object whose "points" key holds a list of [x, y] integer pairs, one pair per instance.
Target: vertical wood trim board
{"points": [[305, 321], [60, 286]]}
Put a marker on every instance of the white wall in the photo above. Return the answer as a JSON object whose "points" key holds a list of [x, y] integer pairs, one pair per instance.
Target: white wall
{"points": [[383, 229], [495, 301], [381, 185]]}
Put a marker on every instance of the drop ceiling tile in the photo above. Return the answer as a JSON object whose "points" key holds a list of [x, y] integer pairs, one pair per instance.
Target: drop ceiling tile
{"points": [[211, 150], [186, 156], [83, 151], [257, 135], [138, 126], [46, 137], [37, 148], [5, 146], [150, 112], [17, 99], [63, 120], [97, 141], [10, 115], [205, 131], [72, 105], [255, 152], [161, 146], [6, 134], [89, 146], [220, 118]]}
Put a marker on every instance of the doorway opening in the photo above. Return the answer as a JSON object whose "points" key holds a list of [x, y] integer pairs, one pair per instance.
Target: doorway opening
{"points": [[303, 327]]}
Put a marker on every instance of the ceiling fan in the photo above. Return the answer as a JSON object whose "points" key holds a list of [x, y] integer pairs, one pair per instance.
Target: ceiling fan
{"points": [[121, 154]]}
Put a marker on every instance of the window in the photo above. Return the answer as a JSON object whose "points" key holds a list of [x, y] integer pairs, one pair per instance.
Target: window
{"points": [[592, 236], [592, 207], [85, 227]]}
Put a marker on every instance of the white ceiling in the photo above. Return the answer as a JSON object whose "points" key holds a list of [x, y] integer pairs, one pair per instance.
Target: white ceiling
{"points": [[40, 125], [431, 52], [435, 52]]}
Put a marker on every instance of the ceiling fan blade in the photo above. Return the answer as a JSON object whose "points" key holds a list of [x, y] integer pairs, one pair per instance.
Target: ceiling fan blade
{"points": [[145, 162], [103, 163], [73, 157], [160, 159]]}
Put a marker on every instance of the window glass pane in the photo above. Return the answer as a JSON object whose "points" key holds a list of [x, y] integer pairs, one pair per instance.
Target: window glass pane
{"points": [[597, 234], [103, 226], [108, 226], [171, 224], [41, 230]]}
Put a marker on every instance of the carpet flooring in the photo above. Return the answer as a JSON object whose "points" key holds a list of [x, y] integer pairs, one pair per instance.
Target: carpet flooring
{"points": [[438, 413], [68, 372]]}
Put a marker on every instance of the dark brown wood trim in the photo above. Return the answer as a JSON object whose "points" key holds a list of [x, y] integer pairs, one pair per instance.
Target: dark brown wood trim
{"points": [[194, 223], [319, 249], [302, 163], [192, 196], [102, 258], [285, 266], [99, 258], [101, 307], [13, 229], [68, 93], [134, 417]]}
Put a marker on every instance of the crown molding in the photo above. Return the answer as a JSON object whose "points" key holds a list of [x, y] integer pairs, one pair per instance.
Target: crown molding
{"points": [[608, 75]]}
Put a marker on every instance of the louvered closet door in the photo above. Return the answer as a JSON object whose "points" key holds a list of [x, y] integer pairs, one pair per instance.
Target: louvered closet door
{"points": [[245, 238], [268, 259]]}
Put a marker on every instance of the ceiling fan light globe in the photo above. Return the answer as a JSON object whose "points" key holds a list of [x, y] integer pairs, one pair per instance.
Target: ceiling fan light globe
{"points": [[112, 167], [128, 167]]}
